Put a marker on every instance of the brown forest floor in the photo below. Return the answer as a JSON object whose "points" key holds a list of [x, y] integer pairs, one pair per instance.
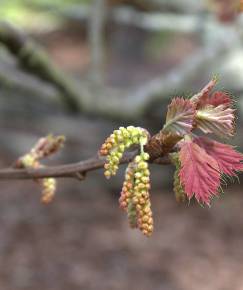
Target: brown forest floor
{"points": [[84, 242]]}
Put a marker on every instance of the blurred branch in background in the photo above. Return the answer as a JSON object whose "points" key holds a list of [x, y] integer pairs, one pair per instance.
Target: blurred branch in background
{"points": [[96, 32], [125, 15], [34, 60], [92, 95], [156, 21], [135, 103]]}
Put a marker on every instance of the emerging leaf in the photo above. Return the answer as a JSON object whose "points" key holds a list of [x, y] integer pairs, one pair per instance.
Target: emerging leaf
{"points": [[200, 98], [219, 98], [199, 172], [229, 160], [218, 120], [206, 97], [180, 116]]}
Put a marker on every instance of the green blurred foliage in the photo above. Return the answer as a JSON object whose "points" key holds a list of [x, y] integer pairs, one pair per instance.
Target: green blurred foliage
{"points": [[35, 14]]}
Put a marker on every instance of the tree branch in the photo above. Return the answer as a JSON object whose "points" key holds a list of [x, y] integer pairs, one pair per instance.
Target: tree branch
{"points": [[73, 170], [156, 21], [34, 59], [128, 104], [96, 34]]}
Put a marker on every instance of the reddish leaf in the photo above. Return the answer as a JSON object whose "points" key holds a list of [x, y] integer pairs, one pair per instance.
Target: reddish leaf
{"points": [[228, 159], [200, 98], [206, 97], [218, 120], [216, 99], [220, 98], [199, 172], [180, 116]]}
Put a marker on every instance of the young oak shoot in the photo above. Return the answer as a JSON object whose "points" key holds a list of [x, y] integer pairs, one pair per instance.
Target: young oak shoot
{"points": [[201, 162]]}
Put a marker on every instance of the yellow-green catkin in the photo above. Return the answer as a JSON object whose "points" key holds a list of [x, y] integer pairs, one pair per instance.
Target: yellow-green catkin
{"points": [[48, 190], [127, 193], [179, 191], [141, 197], [117, 143], [135, 198], [28, 160]]}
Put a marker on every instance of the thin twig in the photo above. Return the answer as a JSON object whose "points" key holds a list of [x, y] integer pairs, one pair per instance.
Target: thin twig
{"points": [[72, 170]]}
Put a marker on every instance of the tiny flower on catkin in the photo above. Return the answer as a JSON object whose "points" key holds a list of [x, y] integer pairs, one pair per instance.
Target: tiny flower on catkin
{"points": [[117, 143]]}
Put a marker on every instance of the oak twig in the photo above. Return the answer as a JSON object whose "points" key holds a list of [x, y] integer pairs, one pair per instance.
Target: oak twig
{"points": [[73, 170]]}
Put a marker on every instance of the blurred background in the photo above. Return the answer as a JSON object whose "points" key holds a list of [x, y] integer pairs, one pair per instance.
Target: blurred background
{"points": [[82, 68]]}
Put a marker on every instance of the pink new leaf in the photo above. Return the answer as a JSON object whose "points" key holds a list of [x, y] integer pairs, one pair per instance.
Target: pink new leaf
{"points": [[206, 97], [219, 98], [200, 98], [228, 159], [219, 120], [180, 117], [199, 172]]}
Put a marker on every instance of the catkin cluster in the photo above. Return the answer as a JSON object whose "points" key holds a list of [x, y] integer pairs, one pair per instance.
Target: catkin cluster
{"points": [[135, 199], [117, 143], [179, 191], [45, 147]]}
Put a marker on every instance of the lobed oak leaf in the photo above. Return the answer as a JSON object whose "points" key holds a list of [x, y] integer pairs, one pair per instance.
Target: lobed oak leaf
{"points": [[180, 117], [219, 120], [199, 173], [228, 159]]}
